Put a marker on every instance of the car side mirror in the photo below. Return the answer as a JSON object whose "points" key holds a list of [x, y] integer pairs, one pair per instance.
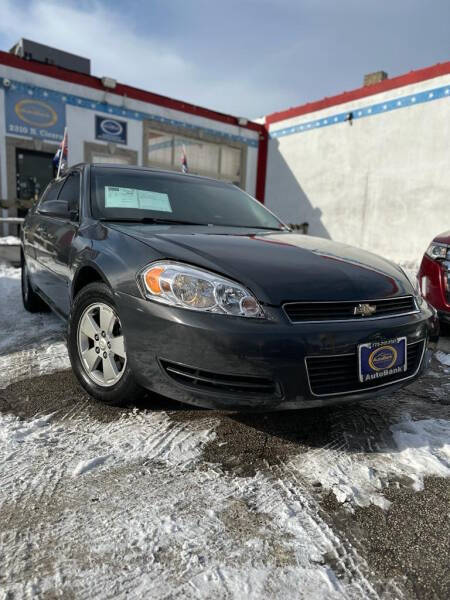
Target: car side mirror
{"points": [[55, 208]]}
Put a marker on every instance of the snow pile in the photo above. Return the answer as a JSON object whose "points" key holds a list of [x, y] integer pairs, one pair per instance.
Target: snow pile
{"points": [[421, 448], [88, 465], [9, 240], [14, 430], [443, 358]]}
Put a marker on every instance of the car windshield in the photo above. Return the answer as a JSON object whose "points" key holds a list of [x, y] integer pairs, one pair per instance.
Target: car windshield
{"points": [[128, 194]]}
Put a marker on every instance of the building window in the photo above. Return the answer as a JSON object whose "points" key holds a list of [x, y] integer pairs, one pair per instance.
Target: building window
{"points": [[111, 159], [217, 160]]}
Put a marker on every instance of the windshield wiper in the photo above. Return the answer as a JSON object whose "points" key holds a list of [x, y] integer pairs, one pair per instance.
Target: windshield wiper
{"points": [[255, 227], [153, 220]]}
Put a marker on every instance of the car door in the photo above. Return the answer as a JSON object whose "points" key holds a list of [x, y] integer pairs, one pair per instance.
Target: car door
{"points": [[36, 243], [58, 224], [29, 229]]}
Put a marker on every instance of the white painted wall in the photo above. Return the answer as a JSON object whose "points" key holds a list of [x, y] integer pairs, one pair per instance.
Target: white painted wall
{"points": [[382, 183]]}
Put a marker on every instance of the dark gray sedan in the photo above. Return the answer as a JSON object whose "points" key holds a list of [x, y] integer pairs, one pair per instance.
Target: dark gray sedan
{"points": [[189, 287]]}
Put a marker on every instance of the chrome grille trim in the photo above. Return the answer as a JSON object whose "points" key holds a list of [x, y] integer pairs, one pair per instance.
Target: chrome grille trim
{"points": [[352, 303], [368, 389]]}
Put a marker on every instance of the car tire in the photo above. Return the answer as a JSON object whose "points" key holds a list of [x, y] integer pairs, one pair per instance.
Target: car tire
{"points": [[31, 301], [93, 297]]}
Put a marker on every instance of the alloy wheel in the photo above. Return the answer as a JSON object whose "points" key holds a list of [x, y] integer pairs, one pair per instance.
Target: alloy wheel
{"points": [[101, 345]]}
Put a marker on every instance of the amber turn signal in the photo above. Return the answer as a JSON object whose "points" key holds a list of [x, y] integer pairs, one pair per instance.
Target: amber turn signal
{"points": [[152, 279]]}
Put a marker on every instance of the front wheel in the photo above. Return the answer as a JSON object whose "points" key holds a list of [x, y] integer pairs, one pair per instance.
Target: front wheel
{"points": [[97, 347]]}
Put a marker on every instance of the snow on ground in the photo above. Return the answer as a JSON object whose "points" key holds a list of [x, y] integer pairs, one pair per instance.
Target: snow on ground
{"points": [[130, 509], [30, 344], [37, 360], [19, 328], [421, 448], [154, 518], [9, 240], [443, 358]]}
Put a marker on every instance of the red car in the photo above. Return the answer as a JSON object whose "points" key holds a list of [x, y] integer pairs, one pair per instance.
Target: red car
{"points": [[434, 275]]}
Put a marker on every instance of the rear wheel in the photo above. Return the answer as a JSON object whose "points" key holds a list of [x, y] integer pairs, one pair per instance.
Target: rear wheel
{"points": [[31, 301], [97, 347]]}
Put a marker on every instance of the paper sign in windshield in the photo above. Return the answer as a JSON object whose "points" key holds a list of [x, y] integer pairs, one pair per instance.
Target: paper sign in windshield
{"points": [[119, 197]]}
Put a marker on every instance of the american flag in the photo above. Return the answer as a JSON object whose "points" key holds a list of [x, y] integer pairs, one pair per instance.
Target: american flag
{"points": [[60, 158], [184, 165]]}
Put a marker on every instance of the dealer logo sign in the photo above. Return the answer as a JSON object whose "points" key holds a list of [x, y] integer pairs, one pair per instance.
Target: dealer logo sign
{"points": [[110, 130]]}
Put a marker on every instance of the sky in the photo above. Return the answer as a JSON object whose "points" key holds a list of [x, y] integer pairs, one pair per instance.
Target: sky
{"points": [[243, 57]]}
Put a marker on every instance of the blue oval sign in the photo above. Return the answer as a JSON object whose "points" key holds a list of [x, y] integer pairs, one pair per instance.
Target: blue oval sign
{"points": [[383, 358], [111, 127], [110, 130], [36, 113]]}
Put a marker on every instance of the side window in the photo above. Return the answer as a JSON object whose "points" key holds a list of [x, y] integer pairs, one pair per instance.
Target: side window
{"points": [[51, 193], [71, 191]]}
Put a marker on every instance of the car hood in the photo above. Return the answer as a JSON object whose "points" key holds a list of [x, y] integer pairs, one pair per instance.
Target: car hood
{"points": [[277, 266]]}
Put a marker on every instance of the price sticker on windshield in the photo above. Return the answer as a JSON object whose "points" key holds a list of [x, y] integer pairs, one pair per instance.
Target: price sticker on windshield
{"points": [[154, 201], [119, 197]]}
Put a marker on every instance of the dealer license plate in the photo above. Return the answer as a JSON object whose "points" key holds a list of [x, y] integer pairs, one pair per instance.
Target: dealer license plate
{"points": [[382, 359]]}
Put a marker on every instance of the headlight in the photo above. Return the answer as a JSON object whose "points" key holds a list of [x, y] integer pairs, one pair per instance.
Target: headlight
{"points": [[181, 285], [438, 251]]}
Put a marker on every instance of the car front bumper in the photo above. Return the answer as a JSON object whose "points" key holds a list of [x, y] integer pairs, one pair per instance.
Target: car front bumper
{"points": [[238, 351]]}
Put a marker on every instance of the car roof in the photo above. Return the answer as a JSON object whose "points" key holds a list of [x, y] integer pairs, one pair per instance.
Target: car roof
{"points": [[121, 167]]}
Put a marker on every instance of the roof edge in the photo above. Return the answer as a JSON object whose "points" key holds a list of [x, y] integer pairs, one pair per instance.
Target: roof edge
{"points": [[362, 92], [91, 81]]}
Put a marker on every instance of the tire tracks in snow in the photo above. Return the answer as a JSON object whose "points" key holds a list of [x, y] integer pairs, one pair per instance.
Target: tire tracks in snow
{"points": [[153, 513]]}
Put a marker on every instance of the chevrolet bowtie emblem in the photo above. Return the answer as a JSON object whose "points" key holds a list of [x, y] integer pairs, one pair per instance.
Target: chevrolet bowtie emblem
{"points": [[365, 310]]}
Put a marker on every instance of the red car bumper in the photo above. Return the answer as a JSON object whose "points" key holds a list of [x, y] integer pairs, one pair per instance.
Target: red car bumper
{"points": [[434, 279]]}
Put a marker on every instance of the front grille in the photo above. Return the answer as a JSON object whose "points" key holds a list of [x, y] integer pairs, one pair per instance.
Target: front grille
{"points": [[343, 311], [219, 382], [334, 375]]}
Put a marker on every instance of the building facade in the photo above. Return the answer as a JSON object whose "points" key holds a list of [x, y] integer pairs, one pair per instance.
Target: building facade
{"points": [[369, 167], [110, 122]]}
